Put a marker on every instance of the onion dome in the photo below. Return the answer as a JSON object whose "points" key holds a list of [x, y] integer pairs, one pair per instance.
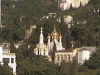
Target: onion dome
{"points": [[60, 36], [54, 33]]}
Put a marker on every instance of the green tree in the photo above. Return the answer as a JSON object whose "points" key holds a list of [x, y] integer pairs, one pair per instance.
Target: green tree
{"points": [[5, 70], [93, 62], [66, 68]]}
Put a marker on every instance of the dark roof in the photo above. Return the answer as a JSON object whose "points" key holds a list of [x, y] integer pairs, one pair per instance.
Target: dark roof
{"points": [[84, 49], [91, 49], [67, 50], [6, 48]]}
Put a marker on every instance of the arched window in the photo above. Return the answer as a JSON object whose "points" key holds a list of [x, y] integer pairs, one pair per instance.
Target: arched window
{"points": [[38, 51], [61, 57], [68, 57], [58, 57], [12, 60], [65, 57], [44, 51]]}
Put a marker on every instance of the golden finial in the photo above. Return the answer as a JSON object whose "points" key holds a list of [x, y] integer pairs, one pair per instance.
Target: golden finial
{"points": [[54, 28]]}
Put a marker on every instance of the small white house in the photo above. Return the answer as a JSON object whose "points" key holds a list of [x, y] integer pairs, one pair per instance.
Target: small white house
{"points": [[84, 53], [8, 57], [67, 4]]}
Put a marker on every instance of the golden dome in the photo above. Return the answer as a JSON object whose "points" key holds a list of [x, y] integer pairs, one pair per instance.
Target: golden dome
{"points": [[54, 33]]}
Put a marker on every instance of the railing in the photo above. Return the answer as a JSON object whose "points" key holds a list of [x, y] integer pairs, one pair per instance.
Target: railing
{"points": [[9, 54]]}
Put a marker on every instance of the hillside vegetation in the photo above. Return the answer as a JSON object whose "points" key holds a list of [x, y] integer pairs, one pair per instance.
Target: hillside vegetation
{"points": [[17, 16]]}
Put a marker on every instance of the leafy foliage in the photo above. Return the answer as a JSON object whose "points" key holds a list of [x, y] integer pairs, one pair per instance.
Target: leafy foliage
{"points": [[30, 64], [17, 15], [91, 66], [93, 62], [85, 30], [5, 70]]}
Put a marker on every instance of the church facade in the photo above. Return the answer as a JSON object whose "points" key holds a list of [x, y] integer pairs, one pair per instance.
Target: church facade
{"points": [[54, 49]]}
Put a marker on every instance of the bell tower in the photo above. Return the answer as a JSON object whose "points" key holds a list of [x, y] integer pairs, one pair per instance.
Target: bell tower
{"points": [[41, 36]]}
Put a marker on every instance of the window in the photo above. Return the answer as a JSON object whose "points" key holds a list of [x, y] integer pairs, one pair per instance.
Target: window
{"points": [[58, 57], [5, 60], [38, 51], [61, 57], [12, 60], [44, 51], [68, 57], [5, 51], [65, 57]]}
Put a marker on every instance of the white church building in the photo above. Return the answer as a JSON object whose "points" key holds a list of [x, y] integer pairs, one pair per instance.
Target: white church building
{"points": [[7, 57], [45, 49], [60, 54]]}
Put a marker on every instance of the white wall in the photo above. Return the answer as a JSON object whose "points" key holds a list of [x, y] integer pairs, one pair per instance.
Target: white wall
{"points": [[86, 55], [0, 50], [79, 57], [83, 55], [75, 3], [0, 53], [12, 65]]}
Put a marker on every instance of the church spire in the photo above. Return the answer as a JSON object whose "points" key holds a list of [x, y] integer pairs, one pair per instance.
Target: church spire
{"points": [[54, 28], [41, 36]]}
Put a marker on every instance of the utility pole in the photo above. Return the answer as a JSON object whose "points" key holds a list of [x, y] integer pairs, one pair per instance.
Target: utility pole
{"points": [[0, 13], [0, 22]]}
